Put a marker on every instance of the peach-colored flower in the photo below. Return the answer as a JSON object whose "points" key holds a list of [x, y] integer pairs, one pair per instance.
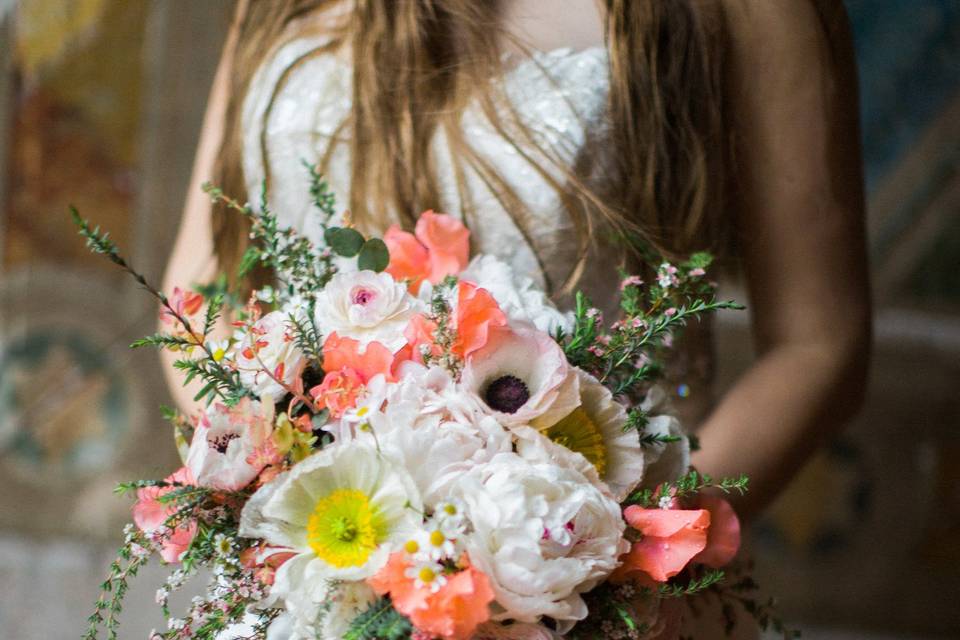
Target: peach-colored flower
{"points": [[447, 241], [392, 579], [150, 515], [409, 259], [477, 315], [338, 391], [453, 612], [476, 319], [671, 539], [420, 337], [186, 303], [439, 246], [723, 537], [347, 353]]}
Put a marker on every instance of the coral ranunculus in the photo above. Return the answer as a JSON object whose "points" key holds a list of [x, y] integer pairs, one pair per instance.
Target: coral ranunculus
{"points": [[453, 612], [149, 514], [671, 539], [477, 315], [338, 391], [347, 353], [723, 537], [447, 241], [439, 247]]}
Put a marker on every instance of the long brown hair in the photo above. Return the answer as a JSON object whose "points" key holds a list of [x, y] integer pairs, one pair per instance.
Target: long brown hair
{"points": [[418, 63]]}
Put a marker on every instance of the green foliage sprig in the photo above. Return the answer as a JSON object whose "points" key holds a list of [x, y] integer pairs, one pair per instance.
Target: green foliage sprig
{"points": [[220, 380], [625, 357], [693, 586], [687, 485], [379, 622], [130, 558]]}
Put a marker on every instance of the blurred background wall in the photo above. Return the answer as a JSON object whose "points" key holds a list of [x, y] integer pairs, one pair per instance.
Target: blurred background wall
{"points": [[100, 105]]}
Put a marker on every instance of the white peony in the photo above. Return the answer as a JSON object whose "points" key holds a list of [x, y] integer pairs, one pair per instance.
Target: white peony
{"points": [[516, 295], [434, 429], [342, 511], [523, 378], [224, 440], [592, 440], [367, 307], [542, 534], [665, 462], [268, 353]]}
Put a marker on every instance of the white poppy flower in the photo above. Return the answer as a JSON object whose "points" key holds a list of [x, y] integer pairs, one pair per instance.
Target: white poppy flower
{"points": [[268, 353], [223, 441], [523, 378], [367, 307], [592, 440], [516, 295], [342, 511], [542, 534]]}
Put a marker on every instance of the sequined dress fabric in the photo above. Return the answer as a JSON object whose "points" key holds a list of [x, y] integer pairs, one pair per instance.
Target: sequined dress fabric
{"points": [[300, 97]]}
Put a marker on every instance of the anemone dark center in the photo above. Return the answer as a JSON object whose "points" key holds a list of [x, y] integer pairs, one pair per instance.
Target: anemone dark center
{"points": [[507, 394], [222, 441]]}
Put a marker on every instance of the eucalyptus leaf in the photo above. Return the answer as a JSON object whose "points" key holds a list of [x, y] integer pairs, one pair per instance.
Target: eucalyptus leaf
{"points": [[374, 255], [344, 241]]}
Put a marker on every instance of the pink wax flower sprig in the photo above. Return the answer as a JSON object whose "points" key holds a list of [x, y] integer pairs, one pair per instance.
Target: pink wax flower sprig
{"points": [[625, 356]]}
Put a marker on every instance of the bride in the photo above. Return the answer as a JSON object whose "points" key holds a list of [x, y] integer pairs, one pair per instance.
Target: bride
{"points": [[566, 133]]}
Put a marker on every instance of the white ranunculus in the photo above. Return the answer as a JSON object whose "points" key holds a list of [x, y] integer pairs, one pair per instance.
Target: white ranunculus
{"points": [[223, 441], [516, 295], [591, 440], [543, 535], [665, 462], [267, 353], [342, 511], [367, 307], [434, 429], [523, 378]]}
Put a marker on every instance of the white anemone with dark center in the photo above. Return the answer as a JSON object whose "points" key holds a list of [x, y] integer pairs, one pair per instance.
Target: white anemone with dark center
{"points": [[522, 377]]}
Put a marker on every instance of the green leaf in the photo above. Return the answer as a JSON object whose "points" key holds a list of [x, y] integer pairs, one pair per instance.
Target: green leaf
{"points": [[374, 255], [344, 241], [250, 259]]}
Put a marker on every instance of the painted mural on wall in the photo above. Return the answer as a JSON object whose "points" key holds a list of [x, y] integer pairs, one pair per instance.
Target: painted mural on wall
{"points": [[70, 403]]}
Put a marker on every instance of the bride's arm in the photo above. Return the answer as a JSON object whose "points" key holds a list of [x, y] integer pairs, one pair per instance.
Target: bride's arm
{"points": [[800, 211], [192, 260]]}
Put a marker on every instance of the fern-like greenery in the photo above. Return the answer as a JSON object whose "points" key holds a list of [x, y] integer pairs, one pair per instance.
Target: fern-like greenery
{"points": [[379, 622]]}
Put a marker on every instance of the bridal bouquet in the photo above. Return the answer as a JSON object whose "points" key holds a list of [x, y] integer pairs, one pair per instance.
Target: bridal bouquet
{"points": [[399, 441]]}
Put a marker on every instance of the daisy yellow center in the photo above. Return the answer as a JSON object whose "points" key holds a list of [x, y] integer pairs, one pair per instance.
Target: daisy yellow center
{"points": [[427, 575], [345, 528], [578, 432]]}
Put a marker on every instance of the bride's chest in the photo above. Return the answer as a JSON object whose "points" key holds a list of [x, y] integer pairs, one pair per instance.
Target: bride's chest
{"points": [[298, 103]]}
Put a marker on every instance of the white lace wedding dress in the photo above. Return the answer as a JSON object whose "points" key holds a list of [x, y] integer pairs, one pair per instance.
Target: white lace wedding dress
{"points": [[299, 97]]}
